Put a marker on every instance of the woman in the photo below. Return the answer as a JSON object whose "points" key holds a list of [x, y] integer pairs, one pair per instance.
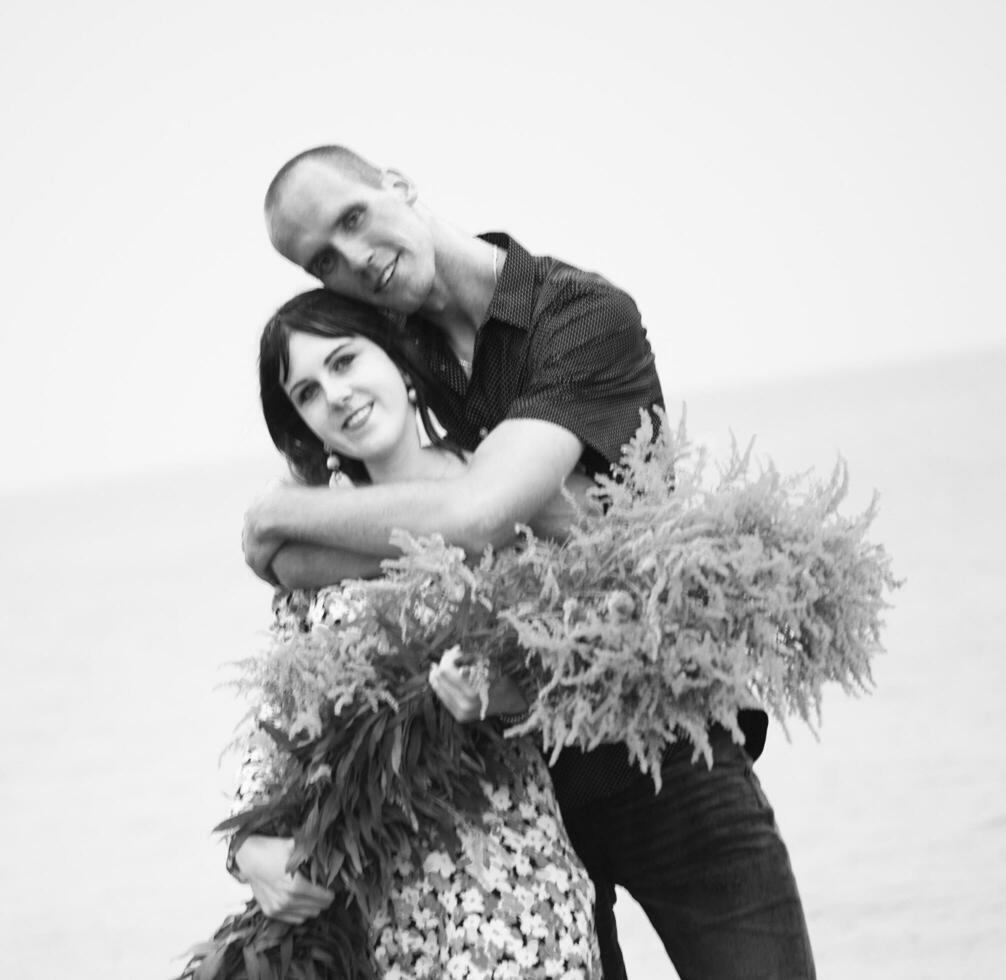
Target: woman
{"points": [[339, 387]]}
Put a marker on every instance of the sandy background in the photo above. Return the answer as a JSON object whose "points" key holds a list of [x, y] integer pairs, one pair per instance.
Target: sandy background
{"points": [[120, 604]]}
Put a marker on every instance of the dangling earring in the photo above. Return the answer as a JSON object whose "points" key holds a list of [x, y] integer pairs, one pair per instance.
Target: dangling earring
{"points": [[337, 477], [410, 393]]}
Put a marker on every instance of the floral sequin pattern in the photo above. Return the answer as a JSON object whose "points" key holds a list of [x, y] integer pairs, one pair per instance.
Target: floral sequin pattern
{"points": [[514, 903]]}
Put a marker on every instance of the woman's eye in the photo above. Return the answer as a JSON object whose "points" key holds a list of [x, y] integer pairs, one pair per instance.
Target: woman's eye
{"points": [[342, 362], [306, 394], [353, 218]]}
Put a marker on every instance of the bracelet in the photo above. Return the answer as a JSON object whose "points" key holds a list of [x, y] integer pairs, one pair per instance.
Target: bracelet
{"points": [[508, 721], [232, 862]]}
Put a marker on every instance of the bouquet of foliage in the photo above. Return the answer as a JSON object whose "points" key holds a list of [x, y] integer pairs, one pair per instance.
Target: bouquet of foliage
{"points": [[676, 601], [671, 610], [356, 760]]}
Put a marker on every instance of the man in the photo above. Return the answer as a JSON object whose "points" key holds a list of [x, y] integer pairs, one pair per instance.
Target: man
{"points": [[543, 367], [369, 238]]}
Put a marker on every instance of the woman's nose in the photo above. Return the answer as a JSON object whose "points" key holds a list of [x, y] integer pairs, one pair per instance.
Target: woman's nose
{"points": [[337, 392]]}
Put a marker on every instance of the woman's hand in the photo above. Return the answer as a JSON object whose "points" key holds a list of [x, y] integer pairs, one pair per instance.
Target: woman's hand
{"points": [[451, 682], [287, 897]]}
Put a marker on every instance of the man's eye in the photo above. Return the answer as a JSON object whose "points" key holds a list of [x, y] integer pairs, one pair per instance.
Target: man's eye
{"points": [[324, 265], [353, 218]]}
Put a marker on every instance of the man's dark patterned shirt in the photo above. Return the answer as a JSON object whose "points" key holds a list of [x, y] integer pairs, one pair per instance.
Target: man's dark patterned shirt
{"points": [[564, 346], [559, 344]]}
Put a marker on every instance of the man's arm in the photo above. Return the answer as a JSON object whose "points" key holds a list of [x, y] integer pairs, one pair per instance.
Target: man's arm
{"points": [[517, 469], [554, 520], [311, 566]]}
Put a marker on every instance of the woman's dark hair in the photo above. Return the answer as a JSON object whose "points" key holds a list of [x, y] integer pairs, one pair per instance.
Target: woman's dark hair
{"points": [[324, 314]]}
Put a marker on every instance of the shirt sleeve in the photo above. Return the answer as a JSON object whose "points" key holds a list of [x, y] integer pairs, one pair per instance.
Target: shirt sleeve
{"points": [[592, 369]]}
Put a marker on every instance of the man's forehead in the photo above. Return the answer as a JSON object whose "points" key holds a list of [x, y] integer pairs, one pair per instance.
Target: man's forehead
{"points": [[315, 182], [307, 203]]}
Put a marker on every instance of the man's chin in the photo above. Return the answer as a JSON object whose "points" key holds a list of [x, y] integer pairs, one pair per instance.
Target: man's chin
{"points": [[405, 305]]}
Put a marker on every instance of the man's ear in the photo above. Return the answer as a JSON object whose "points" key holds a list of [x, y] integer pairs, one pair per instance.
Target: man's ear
{"points": [[395, 180]]}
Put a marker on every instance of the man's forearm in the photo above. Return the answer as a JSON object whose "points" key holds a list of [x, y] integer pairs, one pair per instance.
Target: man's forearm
{"points": [[322, 528], [515, 472], [362, 520], [554, 520], [308, 566]]}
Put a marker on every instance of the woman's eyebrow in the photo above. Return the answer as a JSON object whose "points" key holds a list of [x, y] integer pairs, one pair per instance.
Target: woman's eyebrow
{"points": [[335, 350], [300, 382]]}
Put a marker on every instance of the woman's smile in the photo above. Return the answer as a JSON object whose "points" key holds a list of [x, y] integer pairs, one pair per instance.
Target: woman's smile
{"points": [[358, 418], [352, 396]]}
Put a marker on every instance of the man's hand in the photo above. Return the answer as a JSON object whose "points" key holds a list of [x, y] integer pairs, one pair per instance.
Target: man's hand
{"points": [[451, 682], [288, 897], [261, 537], [554, 520], [308, 566], [259, 540]]}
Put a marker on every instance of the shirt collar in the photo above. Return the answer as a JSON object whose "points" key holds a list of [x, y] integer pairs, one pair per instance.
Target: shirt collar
{"points": [[512, 301]]}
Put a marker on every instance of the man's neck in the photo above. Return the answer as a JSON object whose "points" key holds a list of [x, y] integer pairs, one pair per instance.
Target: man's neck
{"points": [[467, 270]]}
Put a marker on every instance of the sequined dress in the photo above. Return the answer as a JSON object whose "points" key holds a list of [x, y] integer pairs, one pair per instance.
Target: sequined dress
{"points": [[514, 903]]}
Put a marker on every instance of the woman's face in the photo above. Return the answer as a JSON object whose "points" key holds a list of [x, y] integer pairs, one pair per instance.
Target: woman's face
{"points": [[350, 394]]}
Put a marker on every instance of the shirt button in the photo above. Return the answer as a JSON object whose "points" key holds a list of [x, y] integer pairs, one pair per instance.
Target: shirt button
{"points": [[483, 432]]}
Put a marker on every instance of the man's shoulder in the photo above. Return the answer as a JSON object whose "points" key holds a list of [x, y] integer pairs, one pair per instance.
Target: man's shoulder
{"points": [[557, 277], [562, 275], [570, 293], [551, 297]]}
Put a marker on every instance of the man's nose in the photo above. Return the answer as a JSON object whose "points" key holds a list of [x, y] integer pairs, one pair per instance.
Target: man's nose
{"points": [[359, 255]]}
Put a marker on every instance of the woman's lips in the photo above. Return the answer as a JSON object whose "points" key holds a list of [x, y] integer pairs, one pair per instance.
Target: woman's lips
{"points": [[358, 417]]}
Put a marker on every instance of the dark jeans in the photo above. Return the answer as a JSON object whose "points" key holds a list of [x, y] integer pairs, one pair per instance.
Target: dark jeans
{"points": [[705, 861]]}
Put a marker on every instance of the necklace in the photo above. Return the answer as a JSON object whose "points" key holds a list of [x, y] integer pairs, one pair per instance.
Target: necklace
{"points": [[466, 365]]}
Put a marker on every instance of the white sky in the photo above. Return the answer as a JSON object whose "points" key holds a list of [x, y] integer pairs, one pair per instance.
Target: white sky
{"points": [[783, 187]]}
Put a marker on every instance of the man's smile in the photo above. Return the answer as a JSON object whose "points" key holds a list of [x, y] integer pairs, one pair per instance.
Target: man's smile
{"points": [[385, 277]]}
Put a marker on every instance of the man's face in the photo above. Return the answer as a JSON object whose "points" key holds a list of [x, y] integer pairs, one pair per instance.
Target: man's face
{"points": [[364, 242]]}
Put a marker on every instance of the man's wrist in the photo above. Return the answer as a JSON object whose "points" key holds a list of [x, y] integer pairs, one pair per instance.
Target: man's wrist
{"points": [[510, 718], [307, 515], [232, 861], [278, 520]]}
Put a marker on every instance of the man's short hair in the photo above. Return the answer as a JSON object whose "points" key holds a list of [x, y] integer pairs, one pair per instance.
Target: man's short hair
{"points": [[346, 161]]}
